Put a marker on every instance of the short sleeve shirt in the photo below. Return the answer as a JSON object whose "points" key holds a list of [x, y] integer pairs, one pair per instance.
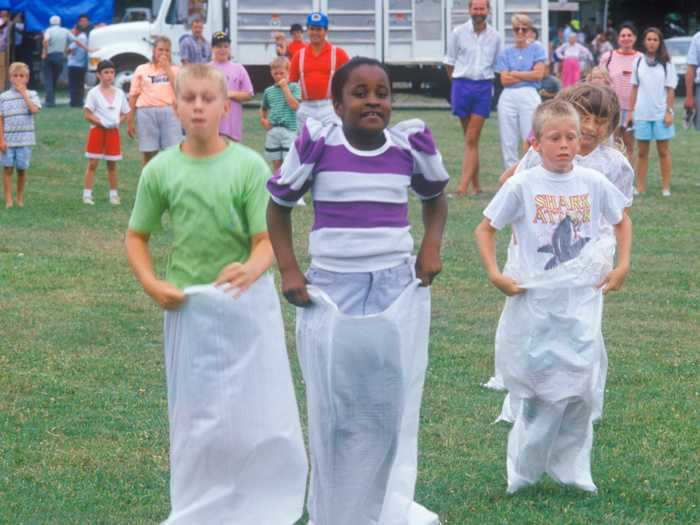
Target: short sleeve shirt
{"points": [[694, 55], [58, 38], [652, 82], [317, 71], [152, 86], [619, 67], [278, 111], [108, 112], [194, 51], [521, 59], [78, 56], [216, 205], [237, 79], [554, 215], [293, 47], [18, 122], [473, 55]]}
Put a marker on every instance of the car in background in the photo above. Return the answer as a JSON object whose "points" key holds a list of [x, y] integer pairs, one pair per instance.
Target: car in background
{"points": [[678, 49]]}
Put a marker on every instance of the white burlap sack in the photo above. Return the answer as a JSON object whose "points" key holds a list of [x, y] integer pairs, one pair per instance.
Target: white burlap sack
{"points": [[364, 381], [550, 351], [236, 447], [568, 291]]}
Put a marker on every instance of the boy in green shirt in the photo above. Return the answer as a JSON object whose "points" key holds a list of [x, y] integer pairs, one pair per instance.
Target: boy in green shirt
{"points": [[229, 385]]}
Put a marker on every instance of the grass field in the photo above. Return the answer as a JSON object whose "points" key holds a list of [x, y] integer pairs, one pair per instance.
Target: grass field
{"points": [[83, 423]]}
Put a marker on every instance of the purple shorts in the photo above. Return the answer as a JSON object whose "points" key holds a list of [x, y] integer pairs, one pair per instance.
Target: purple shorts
{"points": [[471, 96]]}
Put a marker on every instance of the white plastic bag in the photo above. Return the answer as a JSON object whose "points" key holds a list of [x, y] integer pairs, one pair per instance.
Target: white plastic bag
{"points": [[550, 351], [236, 447], [364, 381]]}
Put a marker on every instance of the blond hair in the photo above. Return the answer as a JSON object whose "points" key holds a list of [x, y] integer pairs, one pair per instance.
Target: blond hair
{"points": [[200, 72], [280, 62], [552, 111], [592, 99], [522, 19], [18, 66], [597, 70]]}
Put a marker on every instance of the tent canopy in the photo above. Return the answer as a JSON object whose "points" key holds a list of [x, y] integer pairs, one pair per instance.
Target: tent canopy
{"points": [[38, 12]]}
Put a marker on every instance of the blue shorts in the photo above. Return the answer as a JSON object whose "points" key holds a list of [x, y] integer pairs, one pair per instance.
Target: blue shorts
{"points": [[471, 97], [653, 130], [17, 157]]}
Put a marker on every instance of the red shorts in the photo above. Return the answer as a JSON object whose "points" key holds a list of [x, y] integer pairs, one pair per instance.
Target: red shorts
{"points": [[103, 144]]}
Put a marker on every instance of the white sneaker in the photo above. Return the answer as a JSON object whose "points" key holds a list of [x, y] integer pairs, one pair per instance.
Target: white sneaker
{"points": [[635, 191], [114, 200], [87, 199], [666, 193]]}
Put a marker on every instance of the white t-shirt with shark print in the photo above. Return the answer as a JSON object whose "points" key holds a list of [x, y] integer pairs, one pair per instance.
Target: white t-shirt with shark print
{"points": [[554, 215]]}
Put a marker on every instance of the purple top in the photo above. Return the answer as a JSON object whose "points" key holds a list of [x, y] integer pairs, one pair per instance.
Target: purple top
{"points": [[237, 79]]}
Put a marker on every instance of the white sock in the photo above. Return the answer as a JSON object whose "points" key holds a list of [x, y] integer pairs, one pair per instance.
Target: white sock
{"points": [[87, 193], [113, 193]]}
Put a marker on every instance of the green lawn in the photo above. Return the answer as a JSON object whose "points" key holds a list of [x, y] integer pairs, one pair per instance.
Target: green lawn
{"points": [[83, 423]]}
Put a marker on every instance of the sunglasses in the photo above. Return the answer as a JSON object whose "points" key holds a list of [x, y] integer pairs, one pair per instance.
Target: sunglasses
{"points": [[521, 29]]}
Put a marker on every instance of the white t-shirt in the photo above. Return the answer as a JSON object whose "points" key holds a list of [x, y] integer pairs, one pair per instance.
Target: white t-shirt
{"points": [[554, 215], [108, 112], [651, 95]]}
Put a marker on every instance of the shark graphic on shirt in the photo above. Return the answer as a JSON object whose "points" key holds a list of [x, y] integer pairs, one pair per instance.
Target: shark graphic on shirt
{"points": [[565, 245]]}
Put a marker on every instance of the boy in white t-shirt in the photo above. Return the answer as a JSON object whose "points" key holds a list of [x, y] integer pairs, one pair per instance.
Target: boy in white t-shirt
{"points": [[106, 108], [549, 340]]}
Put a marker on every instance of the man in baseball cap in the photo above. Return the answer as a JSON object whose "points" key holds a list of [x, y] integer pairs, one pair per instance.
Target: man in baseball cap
{"points": [[313, 67]]}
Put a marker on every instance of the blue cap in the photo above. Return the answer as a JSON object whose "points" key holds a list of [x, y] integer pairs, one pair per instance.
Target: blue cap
{"points": [[317, 19]]}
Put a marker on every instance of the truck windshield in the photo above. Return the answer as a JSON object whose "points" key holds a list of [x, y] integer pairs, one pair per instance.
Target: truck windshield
{"points": [[183, 11]]}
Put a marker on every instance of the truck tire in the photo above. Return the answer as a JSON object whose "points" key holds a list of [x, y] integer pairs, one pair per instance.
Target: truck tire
{"points": [[125, 67]]}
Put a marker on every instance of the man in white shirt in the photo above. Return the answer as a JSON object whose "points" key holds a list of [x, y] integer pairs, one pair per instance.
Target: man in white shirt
{"points": [[472, 50], [692, 79]]}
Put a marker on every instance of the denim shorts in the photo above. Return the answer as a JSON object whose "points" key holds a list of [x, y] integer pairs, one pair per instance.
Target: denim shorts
{"points": [[653, 130], [363, 293], [17, 157]]}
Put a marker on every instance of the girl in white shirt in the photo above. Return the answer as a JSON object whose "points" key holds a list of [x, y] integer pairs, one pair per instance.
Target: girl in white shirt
{"points": [[654, 82]]}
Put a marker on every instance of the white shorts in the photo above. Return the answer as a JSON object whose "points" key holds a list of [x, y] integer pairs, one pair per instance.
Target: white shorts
{"points": [[157, 128]]}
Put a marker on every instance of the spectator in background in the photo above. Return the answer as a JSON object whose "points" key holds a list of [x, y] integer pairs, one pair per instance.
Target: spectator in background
{"points": [[472, 50], [297, 42], [5, 45], [654, 82], [280, 44], [77, 67], [692, 83], [151, 101], [618, 63], [194, 48], [313, 68], [522, 68], [84, 24], [239, 88], [574, 58], [56, 40], [601, 44]]}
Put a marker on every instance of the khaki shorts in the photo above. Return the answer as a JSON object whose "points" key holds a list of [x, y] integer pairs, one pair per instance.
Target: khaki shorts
{"points": [[157, 128], [278, 141]]}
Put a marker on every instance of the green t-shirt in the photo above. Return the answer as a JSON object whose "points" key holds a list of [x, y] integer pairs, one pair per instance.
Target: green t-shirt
{"points": [[216, 204], [279, 112]]}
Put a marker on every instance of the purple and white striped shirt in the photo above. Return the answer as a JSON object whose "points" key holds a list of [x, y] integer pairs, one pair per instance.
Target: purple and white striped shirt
{"points": [[360, 197]]}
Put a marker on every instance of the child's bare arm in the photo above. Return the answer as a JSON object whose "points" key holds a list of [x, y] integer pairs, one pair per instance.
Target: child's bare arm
{"points": [[616, 278], [3, 144], [131, 116], [279, 224], [507, 174], [263, 119], [91, 118], [428, 262], [240, 96], [288, 95], [162, 292], [243, 275], [31, 106], [486, 243]]}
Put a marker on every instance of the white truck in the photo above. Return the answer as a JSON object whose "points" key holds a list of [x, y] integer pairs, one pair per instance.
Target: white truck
{"points": [[409, 36]]}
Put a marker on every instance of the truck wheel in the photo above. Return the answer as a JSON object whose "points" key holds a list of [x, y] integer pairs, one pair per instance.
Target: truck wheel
{"points": [[125, 71]]}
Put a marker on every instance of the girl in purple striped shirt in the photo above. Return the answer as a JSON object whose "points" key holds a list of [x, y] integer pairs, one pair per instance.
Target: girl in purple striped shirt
{"points": [[359, 173]]}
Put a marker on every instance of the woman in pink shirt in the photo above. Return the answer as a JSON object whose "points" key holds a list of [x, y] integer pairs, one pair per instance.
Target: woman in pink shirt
{"points": [[618, 64], [151, 99], [240, 89]]}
